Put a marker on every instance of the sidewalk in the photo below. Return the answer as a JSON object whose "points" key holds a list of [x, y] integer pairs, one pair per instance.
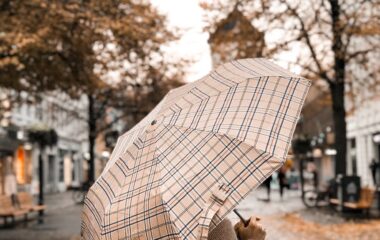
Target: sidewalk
{"points": [[58, 201], [61, 221], [252, 205], [271, 212], [284, 219], [288, 219]]}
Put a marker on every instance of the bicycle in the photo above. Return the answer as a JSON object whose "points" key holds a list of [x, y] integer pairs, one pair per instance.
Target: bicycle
{"points": [[79, 193], [318, 198], [315, 198]]}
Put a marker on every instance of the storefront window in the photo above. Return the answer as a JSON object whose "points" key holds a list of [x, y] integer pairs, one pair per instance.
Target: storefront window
{"points": [[62, 154], [74, 166], [20, 166], [51, 173], [68, 166], [23, 166]]}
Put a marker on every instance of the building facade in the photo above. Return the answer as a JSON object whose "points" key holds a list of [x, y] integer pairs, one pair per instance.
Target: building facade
{"points": [[316, 125], [64, 164], [363, 133], [363, 114]]}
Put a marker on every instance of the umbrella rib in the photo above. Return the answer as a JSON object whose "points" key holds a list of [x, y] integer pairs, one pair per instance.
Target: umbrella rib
{"points": [[275, 70], [218, 133], [168, 107], [263, 155]]}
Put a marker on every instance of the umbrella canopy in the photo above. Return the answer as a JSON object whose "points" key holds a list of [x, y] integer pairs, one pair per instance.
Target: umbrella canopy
{"points": [[204, 147]]}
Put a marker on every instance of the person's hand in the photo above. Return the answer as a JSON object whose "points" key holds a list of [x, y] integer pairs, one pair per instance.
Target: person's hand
{"points": [[253, 231]]}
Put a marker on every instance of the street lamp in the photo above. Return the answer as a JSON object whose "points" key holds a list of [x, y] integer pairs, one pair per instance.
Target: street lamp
{"points": [[301, 147], [44, 137]]}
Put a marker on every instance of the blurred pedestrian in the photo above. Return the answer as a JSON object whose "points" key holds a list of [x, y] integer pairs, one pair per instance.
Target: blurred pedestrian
{"points": [[374, 165], [267, 184], [312, 169], [282, 180], [10, 181]]}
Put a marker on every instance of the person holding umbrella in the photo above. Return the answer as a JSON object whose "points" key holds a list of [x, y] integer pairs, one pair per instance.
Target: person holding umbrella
{"points": [[179, 172], [10, 181]]}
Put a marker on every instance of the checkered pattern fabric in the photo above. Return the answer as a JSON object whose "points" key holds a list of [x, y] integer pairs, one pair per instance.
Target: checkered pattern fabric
{"points": [[203, 148]]}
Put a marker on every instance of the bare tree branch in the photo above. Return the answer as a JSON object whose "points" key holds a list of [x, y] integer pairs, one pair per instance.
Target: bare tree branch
{"points": [[351, 56], [306, 36]]}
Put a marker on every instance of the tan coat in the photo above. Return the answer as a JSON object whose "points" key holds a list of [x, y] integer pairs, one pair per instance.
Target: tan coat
{"points": [[224, 231]]}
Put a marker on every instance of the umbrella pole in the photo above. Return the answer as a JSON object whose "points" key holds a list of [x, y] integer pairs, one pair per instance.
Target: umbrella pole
{"points": [[246, 222]]}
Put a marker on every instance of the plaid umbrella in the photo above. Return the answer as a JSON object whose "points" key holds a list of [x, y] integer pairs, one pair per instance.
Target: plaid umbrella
{"points": [[201, 150]]}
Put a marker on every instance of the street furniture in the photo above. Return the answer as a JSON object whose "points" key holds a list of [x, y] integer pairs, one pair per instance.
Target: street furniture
{"points": [[365, 202], [348, 190], [26, 202], [8, 210], [334, 201]]}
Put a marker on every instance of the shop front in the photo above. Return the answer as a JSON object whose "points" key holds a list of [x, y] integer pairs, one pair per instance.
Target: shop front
{"points": [[16, 160], [6, 158], [375, 163], [363, 133]]}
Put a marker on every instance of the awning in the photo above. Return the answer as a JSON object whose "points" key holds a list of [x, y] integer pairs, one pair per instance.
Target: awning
{"points": [[7, 144]]}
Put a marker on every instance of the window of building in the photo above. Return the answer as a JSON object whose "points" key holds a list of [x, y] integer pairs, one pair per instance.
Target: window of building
{"points": [[51, 161], [352, 153], [23, 165], [61, 170]]}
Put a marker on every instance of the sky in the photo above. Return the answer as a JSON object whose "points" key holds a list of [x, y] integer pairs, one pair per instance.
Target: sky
{"points": [[187, 16]]}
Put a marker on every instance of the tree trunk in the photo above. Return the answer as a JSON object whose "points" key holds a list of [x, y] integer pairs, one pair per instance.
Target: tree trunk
{"points": [[41, 176], [337, 88], [339, 116], [91, 137]]}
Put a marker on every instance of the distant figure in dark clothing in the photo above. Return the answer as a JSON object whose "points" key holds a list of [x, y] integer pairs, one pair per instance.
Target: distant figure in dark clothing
{"points": [[267, 185], [374, 166], [282, 180]]}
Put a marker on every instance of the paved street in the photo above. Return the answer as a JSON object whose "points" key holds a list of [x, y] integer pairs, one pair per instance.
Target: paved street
{"points": [[61, 222], [285, 219], [271, 212], [288, 219]]}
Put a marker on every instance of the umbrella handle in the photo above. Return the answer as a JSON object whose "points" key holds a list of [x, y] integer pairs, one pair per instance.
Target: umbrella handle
{"points": [[246, 222]]}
